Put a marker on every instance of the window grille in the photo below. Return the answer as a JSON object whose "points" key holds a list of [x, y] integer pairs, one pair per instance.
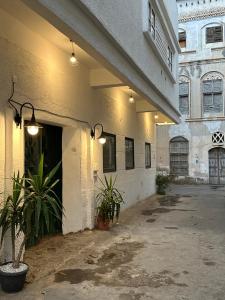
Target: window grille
{"points": [[218, 137], [184, 98], [179, 149], [214, 34], [212, 96], [109, 153], [129, 153]]}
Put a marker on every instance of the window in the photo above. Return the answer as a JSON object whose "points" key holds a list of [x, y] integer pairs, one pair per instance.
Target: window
{"points": [[212, 96], [129, 153], [214, 34], [179, 156], [182, 39], [184, 98], [170, 58], [147, 155], [151, 19], [109, 153], [218, 137]]}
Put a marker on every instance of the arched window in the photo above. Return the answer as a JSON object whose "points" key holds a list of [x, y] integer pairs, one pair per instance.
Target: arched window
{"points": [[212, 94], [184, 95], [179, 149]]}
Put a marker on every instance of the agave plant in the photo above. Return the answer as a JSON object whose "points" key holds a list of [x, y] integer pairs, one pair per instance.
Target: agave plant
{"points": [[42, 203], [33, 201], [109, 200]]}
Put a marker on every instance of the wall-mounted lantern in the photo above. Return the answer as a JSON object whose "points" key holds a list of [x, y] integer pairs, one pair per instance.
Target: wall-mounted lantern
{"points": [[101, 138], [32, 126]]}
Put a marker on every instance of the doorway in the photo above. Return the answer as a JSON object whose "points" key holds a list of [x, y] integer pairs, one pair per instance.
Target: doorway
{"points": [[217, 165], [49, 142]]}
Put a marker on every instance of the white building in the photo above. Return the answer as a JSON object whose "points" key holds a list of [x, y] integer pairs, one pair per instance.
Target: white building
{"points": [[195, 148], [124, 48]]}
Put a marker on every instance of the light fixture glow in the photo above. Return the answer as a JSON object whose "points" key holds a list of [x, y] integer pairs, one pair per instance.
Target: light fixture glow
{"points": [[32, 126], [32, 130], [102, 140], [73, 58], [156, 117], [131, 99]]}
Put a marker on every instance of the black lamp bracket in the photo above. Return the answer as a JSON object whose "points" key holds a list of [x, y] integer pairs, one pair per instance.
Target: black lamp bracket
{"points": [[18, 113], [93, 129]]}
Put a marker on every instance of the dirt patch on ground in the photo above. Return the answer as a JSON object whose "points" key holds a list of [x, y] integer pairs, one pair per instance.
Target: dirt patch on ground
{"points": [[115, 256], [112, 269], [131, 296], [171, 227], [169, 200], [150, 220], [162, 210], [53, 252]]}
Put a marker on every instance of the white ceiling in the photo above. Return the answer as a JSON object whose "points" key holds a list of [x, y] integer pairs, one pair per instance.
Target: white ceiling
{"points": [[25, 15]]}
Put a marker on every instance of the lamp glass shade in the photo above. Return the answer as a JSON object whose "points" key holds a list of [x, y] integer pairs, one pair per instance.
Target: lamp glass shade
{"points": [[32, 129], [73, 60], [131, 99], [102, 139]]}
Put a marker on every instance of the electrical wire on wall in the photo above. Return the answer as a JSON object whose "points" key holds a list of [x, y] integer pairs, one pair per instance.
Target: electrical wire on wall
{"points": [[12, 103]]}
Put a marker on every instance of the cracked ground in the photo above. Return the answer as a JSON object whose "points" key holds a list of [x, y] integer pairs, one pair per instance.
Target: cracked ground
{"points": [[165, 248]]}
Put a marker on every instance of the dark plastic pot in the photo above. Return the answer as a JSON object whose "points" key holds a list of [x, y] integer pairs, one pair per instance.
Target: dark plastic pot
{"points": [[13, 282]]}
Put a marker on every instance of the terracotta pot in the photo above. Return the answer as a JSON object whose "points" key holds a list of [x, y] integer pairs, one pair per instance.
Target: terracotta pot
{"points": [[102, 224]]}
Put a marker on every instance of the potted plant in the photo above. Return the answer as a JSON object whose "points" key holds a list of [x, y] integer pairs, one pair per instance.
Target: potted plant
{"points": [[162, 182], [109, 200], [32, 201]]}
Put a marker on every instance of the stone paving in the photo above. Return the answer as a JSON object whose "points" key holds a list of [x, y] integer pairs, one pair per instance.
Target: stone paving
{"points": [[165, 248]]}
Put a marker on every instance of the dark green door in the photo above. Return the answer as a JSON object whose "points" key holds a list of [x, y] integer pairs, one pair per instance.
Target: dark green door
{"points": [[49, 142]]}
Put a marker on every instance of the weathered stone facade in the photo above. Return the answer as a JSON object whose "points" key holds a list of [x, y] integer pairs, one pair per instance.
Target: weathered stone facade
{"points": [[201, 62]]}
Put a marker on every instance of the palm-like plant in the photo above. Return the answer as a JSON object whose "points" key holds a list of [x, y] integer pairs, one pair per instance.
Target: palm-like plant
{"points": [[109, 200], [41, 203], [11, 215], [32, 202]]}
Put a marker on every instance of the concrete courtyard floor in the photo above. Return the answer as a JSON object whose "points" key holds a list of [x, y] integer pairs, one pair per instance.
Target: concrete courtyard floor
{"points": [[165, 248]]}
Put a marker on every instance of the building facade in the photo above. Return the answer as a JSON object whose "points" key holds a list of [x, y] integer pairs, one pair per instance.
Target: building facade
{"points": [[127, 50], [195, 148]]}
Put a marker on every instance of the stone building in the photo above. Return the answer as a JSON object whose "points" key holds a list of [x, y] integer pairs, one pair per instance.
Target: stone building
{"points": [[124, 82], [194, 149]]}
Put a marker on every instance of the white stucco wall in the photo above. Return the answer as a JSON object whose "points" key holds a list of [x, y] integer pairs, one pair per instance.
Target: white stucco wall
{"points": [[121, 18], [45, 78]]}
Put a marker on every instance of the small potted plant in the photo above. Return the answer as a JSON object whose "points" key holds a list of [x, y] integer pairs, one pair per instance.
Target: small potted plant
{"points": [[109, 200], [32, 200], [13, 274], [162, 182]]}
